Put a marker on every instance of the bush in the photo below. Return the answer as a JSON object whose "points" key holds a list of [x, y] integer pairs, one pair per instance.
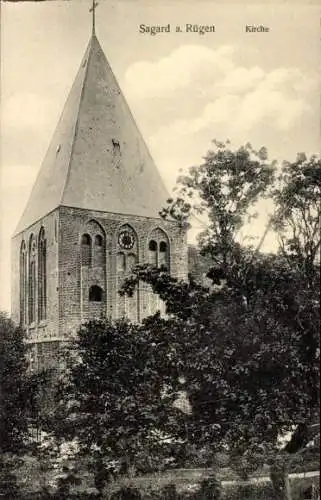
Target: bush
{"points": [[9, 489], [169, 492], [251, 492], [210, 489], [126, 494]]}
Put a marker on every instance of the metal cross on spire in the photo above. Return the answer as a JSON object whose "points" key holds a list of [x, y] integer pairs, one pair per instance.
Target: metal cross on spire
{"points": [[93, 10]]}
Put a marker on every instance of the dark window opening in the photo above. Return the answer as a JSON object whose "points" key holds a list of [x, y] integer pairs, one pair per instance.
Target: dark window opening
{"points": [[85, 239], [86, 250], [152, 246], [162, 246], [98, 240], [95, 294]]}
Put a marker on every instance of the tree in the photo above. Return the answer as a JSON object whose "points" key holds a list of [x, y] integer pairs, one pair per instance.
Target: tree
{"points": [[243, 351], [112, 398], [240, 360], [251, 344], [225, 187], [16, 389], [298, 212], [13, 375], [297, 223]]}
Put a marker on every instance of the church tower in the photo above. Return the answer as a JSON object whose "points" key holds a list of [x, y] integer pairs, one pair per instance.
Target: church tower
{"points": [[92, 214]]}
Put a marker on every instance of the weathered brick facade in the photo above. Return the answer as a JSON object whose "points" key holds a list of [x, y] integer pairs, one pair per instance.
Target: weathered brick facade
{"points": [[74, 287], [68, 282], [49, 327]]}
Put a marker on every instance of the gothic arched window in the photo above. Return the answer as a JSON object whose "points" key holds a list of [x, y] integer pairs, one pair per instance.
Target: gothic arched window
{"points": [[23, 284], [131, 261], [98, 240], [158, 255], [163, 256], [85, 250], [85, 239], [163, 247], [158, 248], [42, 275], [121, 263], [95, 294], [152, 246], [32, 280], [99, 251], [131, 302], [152, 252]]}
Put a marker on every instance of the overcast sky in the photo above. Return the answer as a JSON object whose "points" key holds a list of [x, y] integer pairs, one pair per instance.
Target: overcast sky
{"points": [[184, 89]]}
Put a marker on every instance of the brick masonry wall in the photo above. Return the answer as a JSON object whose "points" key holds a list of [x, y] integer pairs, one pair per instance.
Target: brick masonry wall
{"points": [[46, 329], [72, 224], [65, 288]]}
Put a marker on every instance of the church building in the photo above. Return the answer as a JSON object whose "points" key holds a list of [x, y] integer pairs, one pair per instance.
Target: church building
{"points": [[93, 213]]}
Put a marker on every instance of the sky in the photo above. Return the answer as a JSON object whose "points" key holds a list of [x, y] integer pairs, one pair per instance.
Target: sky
{"points": [[184, 89]]}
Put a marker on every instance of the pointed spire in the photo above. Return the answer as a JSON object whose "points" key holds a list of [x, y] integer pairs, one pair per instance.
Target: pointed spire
{"points": [[97, 158]]}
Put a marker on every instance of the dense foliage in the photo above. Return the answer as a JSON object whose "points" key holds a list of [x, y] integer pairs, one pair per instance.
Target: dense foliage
{"points": [[113, 399], [251, 362], [13, 386], [233, 366], [17, 390]]}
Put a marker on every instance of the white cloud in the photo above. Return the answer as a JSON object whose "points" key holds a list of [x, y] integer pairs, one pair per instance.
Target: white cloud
{"points": [[213, 73], [235, 116], [270, 106], [185, 65], [241, 79], [236, 100]]}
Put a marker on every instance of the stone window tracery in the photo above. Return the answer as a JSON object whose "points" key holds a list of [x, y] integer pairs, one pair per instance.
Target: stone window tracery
{"points": [[158, 249], [158, 256]]}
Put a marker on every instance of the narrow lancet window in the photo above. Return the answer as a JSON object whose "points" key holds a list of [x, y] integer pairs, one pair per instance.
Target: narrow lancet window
{"points": [[99, 251], [152, 252], [121, 263], [32, 281], [23, 284], [42, 275], [131, 262], [86, 250], [163, 254]]}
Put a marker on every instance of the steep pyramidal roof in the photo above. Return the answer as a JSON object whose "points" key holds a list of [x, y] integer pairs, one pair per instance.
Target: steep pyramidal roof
{"points": [[97, 158]]}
